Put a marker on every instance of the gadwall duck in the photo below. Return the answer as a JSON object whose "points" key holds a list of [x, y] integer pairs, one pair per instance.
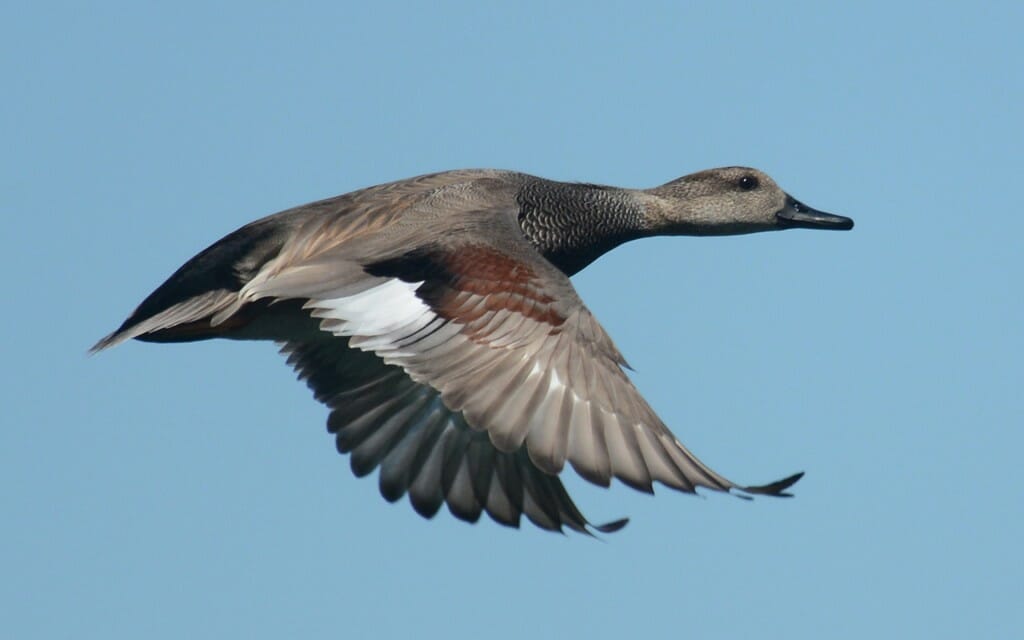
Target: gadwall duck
{"points": [[434, 316]]}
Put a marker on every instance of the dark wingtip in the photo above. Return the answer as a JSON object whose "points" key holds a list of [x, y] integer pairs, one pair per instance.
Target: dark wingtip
{"points": [[776, 488], [611, 527]]}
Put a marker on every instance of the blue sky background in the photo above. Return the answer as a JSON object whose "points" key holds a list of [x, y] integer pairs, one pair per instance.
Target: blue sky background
{"points": [[170, 491]]}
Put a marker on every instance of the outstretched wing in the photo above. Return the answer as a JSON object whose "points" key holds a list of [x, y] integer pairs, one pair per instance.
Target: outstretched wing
{"points": [[503, 338], [384, 419]]}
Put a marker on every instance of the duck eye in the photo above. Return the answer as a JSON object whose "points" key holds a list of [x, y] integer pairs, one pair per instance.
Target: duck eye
{"points": [[748, 183]]}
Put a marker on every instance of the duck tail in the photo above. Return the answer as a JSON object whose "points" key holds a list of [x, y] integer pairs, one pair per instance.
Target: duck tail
{"points": [[201, 299]]}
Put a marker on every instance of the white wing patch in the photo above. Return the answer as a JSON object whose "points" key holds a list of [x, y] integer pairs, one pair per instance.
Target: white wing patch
{"points": [[379, 317]]}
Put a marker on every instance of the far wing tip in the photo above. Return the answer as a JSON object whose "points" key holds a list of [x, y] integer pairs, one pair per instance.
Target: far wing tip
{"points": [[611, 527], [777, 488]]}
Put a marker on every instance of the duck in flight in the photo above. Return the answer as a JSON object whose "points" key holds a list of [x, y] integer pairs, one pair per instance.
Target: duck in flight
{"points": [[435, 317]]}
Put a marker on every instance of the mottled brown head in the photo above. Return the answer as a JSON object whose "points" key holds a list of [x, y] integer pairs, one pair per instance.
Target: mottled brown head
{"points": [[728, 201]]}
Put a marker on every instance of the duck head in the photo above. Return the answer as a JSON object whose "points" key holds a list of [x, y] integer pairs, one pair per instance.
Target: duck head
{"points": [[730, 201]]}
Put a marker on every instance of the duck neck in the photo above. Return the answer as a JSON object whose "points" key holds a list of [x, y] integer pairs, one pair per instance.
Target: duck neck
{"points": [[574, 224]]}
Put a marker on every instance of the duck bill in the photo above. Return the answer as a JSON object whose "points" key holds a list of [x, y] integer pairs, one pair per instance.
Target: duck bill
{"points": [[797, 215]]}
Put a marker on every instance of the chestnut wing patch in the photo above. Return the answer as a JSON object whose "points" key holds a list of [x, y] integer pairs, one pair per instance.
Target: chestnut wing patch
{"points": [[475, 286]]}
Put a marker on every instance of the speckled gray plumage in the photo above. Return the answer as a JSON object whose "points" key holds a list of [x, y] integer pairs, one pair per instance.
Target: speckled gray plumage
{"points": [[574, 224]]}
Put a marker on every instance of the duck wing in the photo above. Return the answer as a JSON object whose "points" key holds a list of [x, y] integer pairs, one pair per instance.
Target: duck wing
{"points": [[504, 340], [384, 419]]}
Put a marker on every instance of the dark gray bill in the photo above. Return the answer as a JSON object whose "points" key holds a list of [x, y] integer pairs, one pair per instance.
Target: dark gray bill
{"points": [[798, 215]]}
